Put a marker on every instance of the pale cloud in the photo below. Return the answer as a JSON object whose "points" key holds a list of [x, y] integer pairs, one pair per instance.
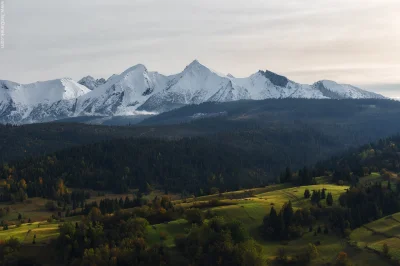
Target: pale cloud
{"points": [[351, 41]]}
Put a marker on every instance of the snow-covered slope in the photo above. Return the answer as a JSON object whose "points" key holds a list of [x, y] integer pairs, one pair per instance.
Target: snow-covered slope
{"points": [[195, 84], [122, 94], [137, 90], [333, 90], [265, 85], [20, 103]]}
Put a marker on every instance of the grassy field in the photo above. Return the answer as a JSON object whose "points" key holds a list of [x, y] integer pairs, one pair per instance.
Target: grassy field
{"points": [[95, 196], [25, 233], [234, 194], [251, 209], [33, 208], [171, 229], [383, 231]]}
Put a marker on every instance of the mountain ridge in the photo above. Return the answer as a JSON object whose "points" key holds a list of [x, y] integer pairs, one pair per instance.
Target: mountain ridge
{"points": [[140, 91]]}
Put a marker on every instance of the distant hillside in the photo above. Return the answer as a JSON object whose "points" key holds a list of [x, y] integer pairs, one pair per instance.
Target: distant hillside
{"points": [[40, 139], [227, 161], [347, 123], [285, 110], [244, 154]]}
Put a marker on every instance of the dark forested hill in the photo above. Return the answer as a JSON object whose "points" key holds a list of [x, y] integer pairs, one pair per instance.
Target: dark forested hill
{"points": [[40, 139], [248, 157], [227, 160], [253, 138], [348, 123], [380, 156], [284, 110]]}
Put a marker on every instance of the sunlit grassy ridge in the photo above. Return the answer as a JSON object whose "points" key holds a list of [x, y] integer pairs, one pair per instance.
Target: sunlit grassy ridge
{"points": [[25, 233], [383, 231]]}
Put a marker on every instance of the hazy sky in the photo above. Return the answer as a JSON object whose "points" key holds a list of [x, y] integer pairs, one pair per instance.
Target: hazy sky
{"points": [[349, 41]]}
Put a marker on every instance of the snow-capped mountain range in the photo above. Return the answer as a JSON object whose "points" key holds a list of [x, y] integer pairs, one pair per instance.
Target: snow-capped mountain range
{"points": [[138, 91]]}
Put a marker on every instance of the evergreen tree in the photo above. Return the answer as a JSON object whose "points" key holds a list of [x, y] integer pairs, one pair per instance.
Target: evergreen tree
{"points": [[127, 203], [287, 214], [316, 196], [323, 195], [307, 194], [288, 175], [329, 199], [273, 218]]}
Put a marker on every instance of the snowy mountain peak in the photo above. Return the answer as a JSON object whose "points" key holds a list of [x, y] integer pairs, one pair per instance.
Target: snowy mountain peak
{"points": [[137, 89], [198, 68], [195, 62], [135, 68], [122, 94], [195, 66]]}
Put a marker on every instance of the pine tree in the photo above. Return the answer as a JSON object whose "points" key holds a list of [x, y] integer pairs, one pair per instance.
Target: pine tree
{"points": [[127, 203], [385, 250], [316, 196], [323, 195], [273, 217], [307, 194], [288, 175], [329, 199], [398, 188], [287, 214]]}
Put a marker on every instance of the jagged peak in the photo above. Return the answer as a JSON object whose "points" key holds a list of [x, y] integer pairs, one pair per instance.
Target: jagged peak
{"points": [[135, 68], [88, 77], [91, 83], [196, 66], [275, 79]]}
